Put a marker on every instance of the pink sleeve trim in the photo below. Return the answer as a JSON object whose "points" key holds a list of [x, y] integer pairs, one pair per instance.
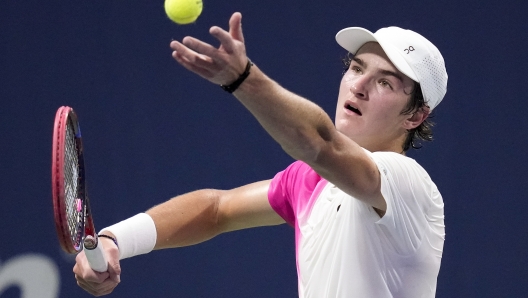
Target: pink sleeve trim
{"points": [[290, 190]]}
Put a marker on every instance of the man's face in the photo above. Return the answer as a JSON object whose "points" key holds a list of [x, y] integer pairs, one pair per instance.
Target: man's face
{"points": [[372, 95]]}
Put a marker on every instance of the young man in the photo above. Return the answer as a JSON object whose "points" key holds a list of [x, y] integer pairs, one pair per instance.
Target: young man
{"points": [[368, 220]]}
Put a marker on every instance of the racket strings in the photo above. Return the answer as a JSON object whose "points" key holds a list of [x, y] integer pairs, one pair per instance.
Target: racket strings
{"points": [[74, 210]]}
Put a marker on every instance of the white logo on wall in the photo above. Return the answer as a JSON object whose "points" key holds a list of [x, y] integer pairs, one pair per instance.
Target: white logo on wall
{"points": [[35, 275]]}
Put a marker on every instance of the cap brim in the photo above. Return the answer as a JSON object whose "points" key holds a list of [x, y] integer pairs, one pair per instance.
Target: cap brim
{"points": [[353, 38]]}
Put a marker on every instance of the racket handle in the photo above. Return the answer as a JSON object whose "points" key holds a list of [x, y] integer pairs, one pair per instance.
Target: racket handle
{"points": [[95, 254]]}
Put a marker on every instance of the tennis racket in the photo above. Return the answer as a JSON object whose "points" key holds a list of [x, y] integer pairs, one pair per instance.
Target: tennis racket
{"points": [[71, 207]]}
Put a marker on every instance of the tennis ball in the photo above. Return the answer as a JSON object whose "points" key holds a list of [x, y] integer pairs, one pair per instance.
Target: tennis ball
{"points": [[183, 11]]}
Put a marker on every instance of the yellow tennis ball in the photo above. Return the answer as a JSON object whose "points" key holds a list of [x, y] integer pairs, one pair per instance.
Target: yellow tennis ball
{"points": [[183, 11]]}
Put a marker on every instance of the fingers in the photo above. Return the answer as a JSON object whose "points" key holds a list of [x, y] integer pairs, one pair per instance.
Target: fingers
{"points": [[225, 38], [114, 271], [229, 39], [97, 289], [218, 65], [235, 26], [191, 66], [98, 283], [191, 60], [184, 49], [199, 47], [112, 256], [82, 268]]}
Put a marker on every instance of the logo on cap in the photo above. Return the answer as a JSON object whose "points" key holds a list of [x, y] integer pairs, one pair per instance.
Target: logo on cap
{"points": [[410, 49]]}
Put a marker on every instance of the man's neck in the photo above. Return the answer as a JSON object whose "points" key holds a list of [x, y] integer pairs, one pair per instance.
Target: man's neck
{"points": [[395, 145]]}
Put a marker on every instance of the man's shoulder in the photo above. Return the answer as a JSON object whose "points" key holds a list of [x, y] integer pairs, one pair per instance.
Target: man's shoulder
{"points": [[396, 162]]}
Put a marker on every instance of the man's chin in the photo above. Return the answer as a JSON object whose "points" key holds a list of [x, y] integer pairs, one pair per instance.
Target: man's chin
{"points": [[346, 128]]}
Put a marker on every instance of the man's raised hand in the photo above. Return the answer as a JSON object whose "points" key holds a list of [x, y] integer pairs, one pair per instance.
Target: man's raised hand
{"points": [[222, 65]]}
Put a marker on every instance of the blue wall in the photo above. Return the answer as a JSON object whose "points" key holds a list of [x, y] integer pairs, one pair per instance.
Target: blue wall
{"points": [[153, 130]]}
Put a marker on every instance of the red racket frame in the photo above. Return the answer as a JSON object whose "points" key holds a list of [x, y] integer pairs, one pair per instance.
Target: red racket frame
{"points": [[63, 115]]}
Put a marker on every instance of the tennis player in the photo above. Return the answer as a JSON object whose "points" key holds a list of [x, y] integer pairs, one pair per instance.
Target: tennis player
{"points": [[368, 220]]}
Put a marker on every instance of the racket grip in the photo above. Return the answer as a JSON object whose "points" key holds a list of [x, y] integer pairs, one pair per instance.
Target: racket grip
{"points": [[95, 254]]}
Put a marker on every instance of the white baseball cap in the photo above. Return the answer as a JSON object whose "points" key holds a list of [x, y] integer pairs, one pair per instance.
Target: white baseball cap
{"points": [[411, 53]]}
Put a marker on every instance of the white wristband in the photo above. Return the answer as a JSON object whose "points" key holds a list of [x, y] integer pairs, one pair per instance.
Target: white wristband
{"points": [[135, 236]]}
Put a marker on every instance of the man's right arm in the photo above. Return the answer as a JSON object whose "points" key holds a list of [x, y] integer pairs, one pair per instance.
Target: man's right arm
{"points": [[186, 220], [200, 215]]}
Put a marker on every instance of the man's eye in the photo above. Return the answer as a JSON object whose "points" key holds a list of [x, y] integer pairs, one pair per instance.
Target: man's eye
{"points": [[355, 69], [385, 84]]}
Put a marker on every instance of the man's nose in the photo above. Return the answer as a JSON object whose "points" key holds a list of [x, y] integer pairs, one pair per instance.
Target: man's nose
{"points": [[358, 87]]}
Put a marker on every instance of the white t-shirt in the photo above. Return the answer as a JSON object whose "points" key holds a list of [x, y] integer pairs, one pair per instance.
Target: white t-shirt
{"points": [[343, 247]]}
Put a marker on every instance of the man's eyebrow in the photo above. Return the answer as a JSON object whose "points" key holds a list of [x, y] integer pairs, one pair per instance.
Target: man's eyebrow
{"points": [[359, 61], [392, 73], [382, 71]]}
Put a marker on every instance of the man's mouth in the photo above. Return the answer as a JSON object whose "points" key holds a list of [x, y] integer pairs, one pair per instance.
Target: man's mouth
{"points": [[351, 108]]}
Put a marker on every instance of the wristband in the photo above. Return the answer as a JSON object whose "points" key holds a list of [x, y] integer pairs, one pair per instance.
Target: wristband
{"points": [[136, 235], [234, 86]]}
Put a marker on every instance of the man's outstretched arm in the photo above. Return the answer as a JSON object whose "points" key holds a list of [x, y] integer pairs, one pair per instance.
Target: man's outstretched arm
{"points": [[201, 215], [184, 220]]}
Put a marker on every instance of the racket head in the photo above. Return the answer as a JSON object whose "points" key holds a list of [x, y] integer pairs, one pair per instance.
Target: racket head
{"points": [[71, 208]]}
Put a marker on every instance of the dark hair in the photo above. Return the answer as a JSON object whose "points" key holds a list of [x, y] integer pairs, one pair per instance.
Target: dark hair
{"points": [[423, 132]]}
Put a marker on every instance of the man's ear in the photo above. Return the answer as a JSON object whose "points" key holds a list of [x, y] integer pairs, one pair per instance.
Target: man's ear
{"points": [[415, 119]]}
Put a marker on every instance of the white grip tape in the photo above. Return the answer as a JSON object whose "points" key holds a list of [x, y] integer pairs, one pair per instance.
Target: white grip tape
{"points": [[135, 236], [96, 258]]}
